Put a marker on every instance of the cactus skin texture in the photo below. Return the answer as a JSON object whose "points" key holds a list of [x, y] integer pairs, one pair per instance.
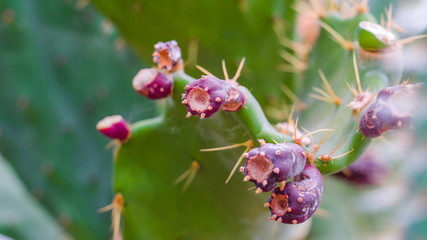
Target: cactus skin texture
{"points": [[341, 73]]}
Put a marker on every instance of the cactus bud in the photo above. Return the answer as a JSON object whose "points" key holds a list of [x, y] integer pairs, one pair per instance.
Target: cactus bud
{"points": [[235, 99], [373, 37], [167, 56], [298, 200], [272, 163], [205, 96], [391, 110], [153, 83], [114, 127]]}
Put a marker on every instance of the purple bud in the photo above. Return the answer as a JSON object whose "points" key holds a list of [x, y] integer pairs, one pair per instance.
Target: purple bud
{"points": [[298, 200], [167, 56], [114, 127], [205, 96], [370, 125], [272, 163], [152, 83], [235, 99], [366, 171], [400, 90], [392, 110]]}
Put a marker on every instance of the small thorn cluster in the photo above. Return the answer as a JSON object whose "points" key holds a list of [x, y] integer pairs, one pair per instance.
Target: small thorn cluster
{"points": [[297, 201], [272, 163], [114, 127], [207, 95], [289, 128], [391, 110]]}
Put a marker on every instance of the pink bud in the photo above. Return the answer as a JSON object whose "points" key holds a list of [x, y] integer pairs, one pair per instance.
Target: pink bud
{"points": [[153, 83], [114, 127]]}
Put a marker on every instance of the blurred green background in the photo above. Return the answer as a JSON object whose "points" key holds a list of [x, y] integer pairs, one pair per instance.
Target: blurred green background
{"points": [[66, 64]]}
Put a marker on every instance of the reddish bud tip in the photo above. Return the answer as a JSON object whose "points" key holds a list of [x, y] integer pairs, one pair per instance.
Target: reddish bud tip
{"points": [[114, 127]]}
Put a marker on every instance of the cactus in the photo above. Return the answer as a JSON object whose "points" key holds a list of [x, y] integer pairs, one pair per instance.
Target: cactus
{"points": [[170, 170], [345, 80], [60, 65], [21, 217]]}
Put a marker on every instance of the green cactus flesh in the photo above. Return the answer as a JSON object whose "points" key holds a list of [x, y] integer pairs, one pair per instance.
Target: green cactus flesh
{"points": [[162, 149], [58, 71]]}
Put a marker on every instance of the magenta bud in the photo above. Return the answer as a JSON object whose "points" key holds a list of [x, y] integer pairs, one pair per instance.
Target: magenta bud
{"points": [[114, 127], [272, 163], [167, 56], [298, 200], [153, 83]]}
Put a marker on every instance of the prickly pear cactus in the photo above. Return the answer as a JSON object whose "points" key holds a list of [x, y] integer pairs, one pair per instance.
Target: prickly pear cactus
{"points": [[346, 88], [60, 65]]}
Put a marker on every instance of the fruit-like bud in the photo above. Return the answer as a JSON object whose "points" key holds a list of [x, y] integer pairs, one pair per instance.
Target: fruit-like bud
{"points": [[391, 110], [153, 83], [272, 163], [235, 99], [298, 200], [114, 127], [205, 96], [366, 171], [167, 56], [373, 37]]}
